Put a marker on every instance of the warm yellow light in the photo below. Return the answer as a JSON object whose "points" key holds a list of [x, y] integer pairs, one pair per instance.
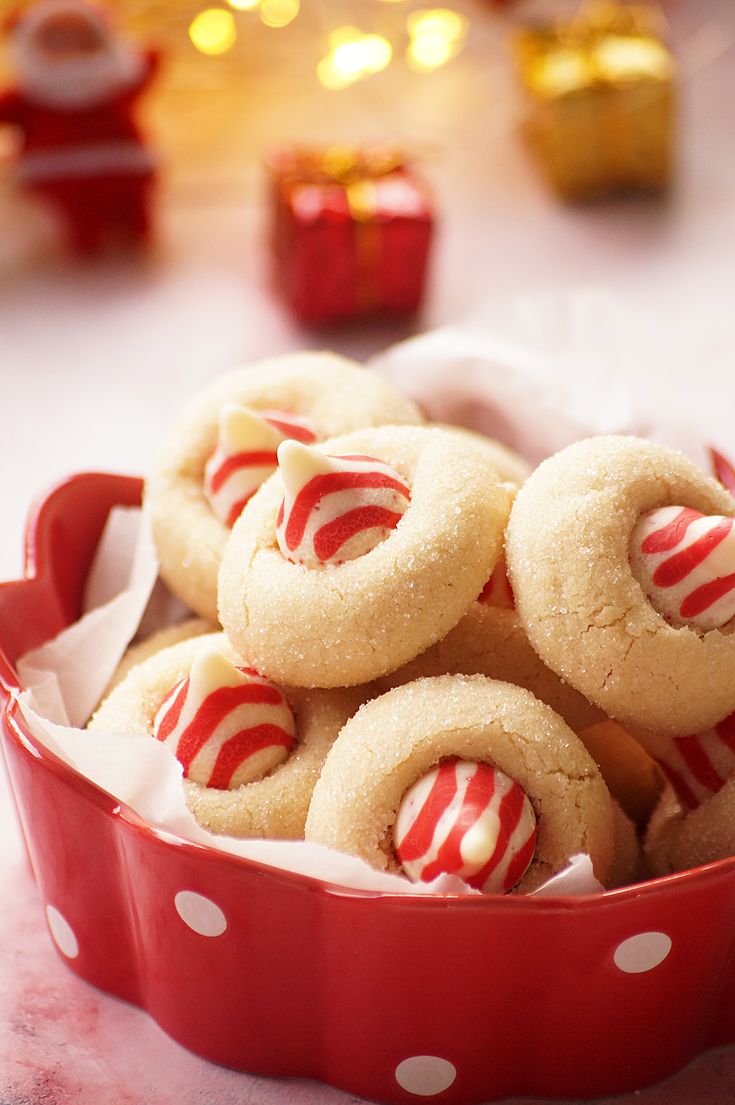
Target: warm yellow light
{"points": [[348, 59], [328, 75], [213, 31], [430, 51], [437, 23], [243, 5], [342, 35], [279, 13], [377, 53], [352, 58]]}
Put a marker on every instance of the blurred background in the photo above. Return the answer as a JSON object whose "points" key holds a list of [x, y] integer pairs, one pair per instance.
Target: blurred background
{"points": [[97, 353]]}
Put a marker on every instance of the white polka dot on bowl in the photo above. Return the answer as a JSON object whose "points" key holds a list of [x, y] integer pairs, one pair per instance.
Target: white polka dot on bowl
{"points": [[425, 1075], [642, 952], [201, 914], [62, 933]]}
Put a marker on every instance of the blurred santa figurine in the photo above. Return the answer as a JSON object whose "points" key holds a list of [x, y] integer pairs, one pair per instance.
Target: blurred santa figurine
{"points": [[80, 146]]}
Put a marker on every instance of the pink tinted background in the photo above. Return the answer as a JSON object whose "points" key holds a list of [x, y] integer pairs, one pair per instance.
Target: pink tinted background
{"points": [[96, 361]]}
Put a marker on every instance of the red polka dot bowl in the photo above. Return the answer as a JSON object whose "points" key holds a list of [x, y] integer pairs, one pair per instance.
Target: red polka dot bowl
{"points": [[394, 998]]}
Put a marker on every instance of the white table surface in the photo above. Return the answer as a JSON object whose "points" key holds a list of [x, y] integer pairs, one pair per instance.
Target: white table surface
{"points": [[95, 360]]}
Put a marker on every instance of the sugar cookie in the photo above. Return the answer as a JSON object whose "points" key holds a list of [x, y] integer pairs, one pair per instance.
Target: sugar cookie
{"points": [[149, 646], [568, 547], [489, 640], [202, 475], [678, 838], [396, 740], [341, 624], [511, 465], [274, 805]]}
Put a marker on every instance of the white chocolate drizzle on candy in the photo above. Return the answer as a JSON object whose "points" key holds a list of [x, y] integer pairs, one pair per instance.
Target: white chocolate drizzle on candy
{"points": [[466, 819], [685, 562], [225, 724], [335, 508], [699, 765], [498, 591], [246, 455]]}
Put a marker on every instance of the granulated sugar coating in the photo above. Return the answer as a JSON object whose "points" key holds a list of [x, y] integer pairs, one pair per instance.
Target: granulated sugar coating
{"points": [[567, 546], [349, 623], [490, 641], [394, 740]]}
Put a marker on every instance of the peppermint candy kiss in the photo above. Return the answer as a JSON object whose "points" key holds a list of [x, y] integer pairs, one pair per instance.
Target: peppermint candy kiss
{"points": [[466, 819], [699, 765], [685, 562], [246, 455], [335, 508], [225, 724]]}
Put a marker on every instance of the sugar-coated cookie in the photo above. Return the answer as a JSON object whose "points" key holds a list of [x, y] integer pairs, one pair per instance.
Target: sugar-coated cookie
{"points": [[679, 838], [223, 445], [489, 640], [569, 546], [396, 740], [328, 623], [149, 646], [511, 465], [219, 742]]}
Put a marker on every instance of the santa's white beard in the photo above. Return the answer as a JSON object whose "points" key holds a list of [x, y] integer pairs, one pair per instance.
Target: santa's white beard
{"points": [[77, 84]]}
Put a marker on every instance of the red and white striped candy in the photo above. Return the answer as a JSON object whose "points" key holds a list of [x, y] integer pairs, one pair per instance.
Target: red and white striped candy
{"points": [[466, 819], [246, 455], [335, 508], [498, 591], [225, 724], [685, 562], [698, 766]]}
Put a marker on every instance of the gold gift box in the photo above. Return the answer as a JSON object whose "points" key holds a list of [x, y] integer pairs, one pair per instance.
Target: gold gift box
{"points": [[600, 100]]}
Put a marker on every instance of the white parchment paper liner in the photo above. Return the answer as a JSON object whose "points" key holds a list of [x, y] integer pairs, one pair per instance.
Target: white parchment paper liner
{"points": [[542, 370], [64, 679]]}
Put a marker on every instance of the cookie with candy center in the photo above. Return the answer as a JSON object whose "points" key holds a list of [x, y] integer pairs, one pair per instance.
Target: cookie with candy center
{"points": [[245, 455], [322, 393], [467, 819], [685, 562], [335, 508], [582, 566], [225, 724], [275, 803], [367, 615], [376, 797]]}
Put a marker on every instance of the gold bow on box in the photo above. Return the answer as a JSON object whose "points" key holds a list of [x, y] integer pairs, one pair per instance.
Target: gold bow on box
{"points": [[600, 95]]}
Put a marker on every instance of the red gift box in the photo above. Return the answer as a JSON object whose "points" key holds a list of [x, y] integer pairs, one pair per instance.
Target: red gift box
{"points": [[352, 232]]}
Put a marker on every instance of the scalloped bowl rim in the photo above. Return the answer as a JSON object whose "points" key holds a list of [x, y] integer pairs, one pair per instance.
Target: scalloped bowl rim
{"points": [[36, 567]]}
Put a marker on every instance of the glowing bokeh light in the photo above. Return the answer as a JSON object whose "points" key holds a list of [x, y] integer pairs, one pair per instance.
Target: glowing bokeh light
{"points": [[342, 35], [436, 34], [213, 31], [348, 60], [377, 53], [430, 51], [328, 75], [279, 13], [243, 5], [437, 23]]}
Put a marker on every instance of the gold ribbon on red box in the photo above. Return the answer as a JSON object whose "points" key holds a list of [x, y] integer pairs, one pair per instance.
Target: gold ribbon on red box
{"points": [[360, 189]]}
